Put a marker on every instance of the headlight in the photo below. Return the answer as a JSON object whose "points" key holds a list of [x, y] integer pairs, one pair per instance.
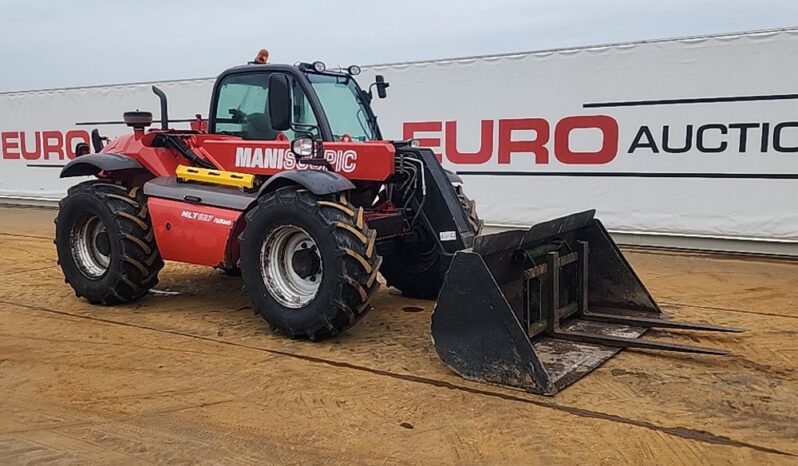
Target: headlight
{"points": [[302, 147], [353, 70], [319, 66]]}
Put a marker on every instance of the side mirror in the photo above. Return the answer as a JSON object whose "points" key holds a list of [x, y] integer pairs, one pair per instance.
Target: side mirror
{"points": [[379, 81], [97, 141], [280, 102]]}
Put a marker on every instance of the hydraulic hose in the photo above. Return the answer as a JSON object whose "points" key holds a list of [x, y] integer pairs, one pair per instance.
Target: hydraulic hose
{"points": [[178, 145]]}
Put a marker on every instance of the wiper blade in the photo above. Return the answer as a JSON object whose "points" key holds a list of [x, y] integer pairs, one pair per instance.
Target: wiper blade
{"points": [[370, 118]]}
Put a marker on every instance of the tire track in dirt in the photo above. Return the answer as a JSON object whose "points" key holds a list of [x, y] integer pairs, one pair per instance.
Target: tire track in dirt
{"points": [[38, 269], [20, 235], [726, 309], [104, 343], [119, 419], [681, 432]]}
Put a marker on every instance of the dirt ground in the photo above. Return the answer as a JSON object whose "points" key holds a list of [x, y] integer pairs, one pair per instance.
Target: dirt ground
{"points": [[197, 377]]}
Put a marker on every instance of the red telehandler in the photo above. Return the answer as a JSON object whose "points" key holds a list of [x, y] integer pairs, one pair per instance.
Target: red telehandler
{"points": [[293, 186]]}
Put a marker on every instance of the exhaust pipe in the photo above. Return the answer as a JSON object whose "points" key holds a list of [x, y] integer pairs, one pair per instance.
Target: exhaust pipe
{"points": [[164, 107]]}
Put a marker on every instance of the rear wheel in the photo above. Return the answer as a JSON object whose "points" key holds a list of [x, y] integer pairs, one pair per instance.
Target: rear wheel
{"points": [[105, 243], [308, 262], [417, 269], [470, 207]]}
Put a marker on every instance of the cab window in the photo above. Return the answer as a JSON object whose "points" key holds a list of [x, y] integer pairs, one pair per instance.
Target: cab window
{"points": [[243, 110]]}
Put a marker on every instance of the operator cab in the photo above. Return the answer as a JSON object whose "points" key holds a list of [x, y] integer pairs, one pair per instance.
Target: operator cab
{"points": [[262, 101]]}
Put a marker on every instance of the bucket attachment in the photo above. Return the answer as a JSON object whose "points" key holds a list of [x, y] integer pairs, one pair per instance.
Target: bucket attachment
{"points": [[523, 308]]}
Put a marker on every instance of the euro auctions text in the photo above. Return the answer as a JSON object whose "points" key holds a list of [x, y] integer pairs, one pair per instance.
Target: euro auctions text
{"points": [[507, 141]]}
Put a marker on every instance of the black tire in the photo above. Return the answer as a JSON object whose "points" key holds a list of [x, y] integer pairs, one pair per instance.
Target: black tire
{"points": [[125, 240], [345, 260], [418, 269], [470, 207], [232, 272]]}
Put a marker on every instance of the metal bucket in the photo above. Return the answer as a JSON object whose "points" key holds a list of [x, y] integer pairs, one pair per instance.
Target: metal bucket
{"points": [[539, 309]]}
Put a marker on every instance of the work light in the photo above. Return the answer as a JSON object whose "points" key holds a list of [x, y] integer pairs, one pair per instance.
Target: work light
{"points": [[302, 147]]}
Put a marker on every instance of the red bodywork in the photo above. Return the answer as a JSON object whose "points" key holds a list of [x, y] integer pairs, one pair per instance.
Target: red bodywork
{"points": [[192, 233], [206, 235], [363, 161]]}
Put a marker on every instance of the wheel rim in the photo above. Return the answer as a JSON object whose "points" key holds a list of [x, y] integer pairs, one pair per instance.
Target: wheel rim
{"points": [[291, 266], [91, 248]]}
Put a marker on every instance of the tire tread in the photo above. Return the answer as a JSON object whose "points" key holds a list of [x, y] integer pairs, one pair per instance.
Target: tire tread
{"points": [[345, 224], [139, 259]]}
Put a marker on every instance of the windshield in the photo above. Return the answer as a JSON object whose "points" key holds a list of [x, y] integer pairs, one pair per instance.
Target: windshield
{"points": [[242, 109], [344, 106]]}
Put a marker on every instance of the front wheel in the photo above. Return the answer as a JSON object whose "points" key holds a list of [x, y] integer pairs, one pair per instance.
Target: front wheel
{"points": [[416, 269], [308, 262]]}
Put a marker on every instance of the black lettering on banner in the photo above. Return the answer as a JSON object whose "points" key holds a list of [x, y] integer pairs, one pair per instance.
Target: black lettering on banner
{"points": [[700, 138], [638, 143], [777, 136], [763, 143], [743, 127], [688, 140]]}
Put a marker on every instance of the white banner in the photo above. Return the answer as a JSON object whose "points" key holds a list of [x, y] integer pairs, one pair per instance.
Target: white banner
{"points": [[39, 129], [696, 137], [686, 137]]}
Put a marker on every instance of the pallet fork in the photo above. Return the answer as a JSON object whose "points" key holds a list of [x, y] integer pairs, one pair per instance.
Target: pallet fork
{"points": [[539, 309]]}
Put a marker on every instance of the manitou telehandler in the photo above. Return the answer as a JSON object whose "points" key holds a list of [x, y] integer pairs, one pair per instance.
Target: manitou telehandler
{"points": [[292, 185]]}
